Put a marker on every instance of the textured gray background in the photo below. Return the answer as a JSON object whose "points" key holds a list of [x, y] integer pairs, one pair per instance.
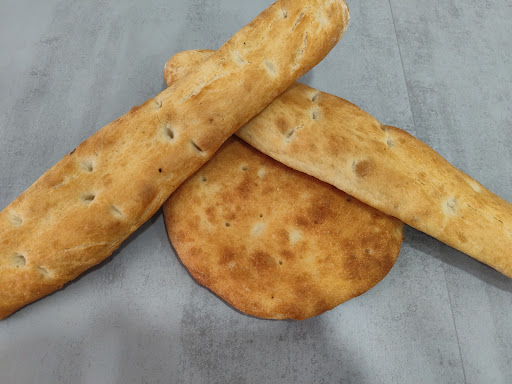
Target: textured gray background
{"points": [[442, 70]]}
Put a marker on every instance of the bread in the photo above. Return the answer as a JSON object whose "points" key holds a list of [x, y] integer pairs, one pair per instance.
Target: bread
{"points": [[79, 211], [337, 142], [274, 242]]}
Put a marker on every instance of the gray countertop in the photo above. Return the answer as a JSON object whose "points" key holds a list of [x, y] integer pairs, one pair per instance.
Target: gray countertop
{"points": [[442, 70]]}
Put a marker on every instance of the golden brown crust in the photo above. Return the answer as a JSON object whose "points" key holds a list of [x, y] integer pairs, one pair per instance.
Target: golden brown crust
{"points": [[275, 242], [79, 211], [385, 167], [174, 70]]}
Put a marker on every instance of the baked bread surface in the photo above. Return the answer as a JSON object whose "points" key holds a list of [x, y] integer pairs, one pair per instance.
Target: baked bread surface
{"points": [[385, 167], [79, 211], [274, 242]]}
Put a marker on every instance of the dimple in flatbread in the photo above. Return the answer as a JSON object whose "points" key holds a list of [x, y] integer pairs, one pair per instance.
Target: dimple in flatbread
{"points": [[383, 166], [274, 242]]}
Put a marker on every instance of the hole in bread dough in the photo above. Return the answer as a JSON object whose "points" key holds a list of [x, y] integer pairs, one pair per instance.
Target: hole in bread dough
{"points": [[299, 54], [158, 103], [315, 97], [280, 262], [43, 271], [197, 148], [160, 170], [262, 172], [450, 206], [295, 236], [291, 133], [368, 251], [349, 198], [116, 211], [87, 165], [245, 168], [19, 260], [299, 19], [261, 215], [271, 68], [284, 13], [204, 178], [258, 228], [168, 131], [228, 224], [88, 198], [237, 58], [315, 115], [15, 220]]}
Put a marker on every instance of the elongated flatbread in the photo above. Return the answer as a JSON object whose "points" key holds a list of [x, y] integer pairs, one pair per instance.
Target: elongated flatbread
{"points": [[274, 242], [79, 211], [385, 167]]}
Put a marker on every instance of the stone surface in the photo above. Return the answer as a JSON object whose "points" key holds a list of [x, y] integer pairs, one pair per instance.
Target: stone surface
{"points": [[442, 70]]}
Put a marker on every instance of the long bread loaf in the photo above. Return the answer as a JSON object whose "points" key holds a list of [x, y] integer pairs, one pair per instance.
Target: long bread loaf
{"points": [[385, 167], [78, 212]]}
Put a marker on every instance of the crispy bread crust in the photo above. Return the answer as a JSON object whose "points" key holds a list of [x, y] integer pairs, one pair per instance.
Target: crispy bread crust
{"points": [[385, 167], [79, 211], [274, 242]]}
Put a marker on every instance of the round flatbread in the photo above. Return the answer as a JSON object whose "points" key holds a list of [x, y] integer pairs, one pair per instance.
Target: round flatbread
{"points": [[274, 242]]}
